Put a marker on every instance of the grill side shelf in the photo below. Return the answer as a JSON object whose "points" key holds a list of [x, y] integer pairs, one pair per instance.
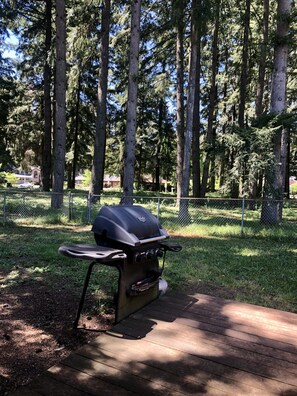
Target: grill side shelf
{"points": [[92, 252]]}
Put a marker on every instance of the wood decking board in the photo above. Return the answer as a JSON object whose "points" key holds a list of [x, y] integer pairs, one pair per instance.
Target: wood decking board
{"points": [[252, 326], [182, 365], [247, 341], [230, 358], [232, 346], [183, 345]]}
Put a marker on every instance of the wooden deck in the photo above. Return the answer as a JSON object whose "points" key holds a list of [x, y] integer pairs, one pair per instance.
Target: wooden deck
{"points": [[183, 345]]}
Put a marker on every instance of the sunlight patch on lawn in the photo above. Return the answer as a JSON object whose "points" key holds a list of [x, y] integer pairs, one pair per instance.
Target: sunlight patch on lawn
{"points": [[292, 250], [19, 275], [249, 252]]}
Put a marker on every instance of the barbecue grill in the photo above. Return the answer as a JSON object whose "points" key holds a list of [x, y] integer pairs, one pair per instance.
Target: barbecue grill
{"points": [[130, 239]]}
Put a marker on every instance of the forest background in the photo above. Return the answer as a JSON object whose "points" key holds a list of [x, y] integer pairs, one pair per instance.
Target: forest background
{"points": [[199, 93]]}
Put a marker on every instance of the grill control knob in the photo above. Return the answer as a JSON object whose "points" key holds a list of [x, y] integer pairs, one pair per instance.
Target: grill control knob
{"points": [[149, 254], [159, 253]]}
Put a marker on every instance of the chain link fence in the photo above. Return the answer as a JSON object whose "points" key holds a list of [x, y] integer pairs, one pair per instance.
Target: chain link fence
{"points": [[188, 214]]}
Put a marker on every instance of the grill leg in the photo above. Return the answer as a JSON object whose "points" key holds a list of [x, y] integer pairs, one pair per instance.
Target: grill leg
{"points": [[83, 295]]}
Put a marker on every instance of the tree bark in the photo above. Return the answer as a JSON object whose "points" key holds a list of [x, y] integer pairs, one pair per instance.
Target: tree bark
{"points": [[158, 153], [196, 123], [244, 65], [76, 131], [129, 154], [183, 209], [253, 179], [60, 89], [46, 163], [180, 97], [242, 93], [262, 60], [100, 137], [212, 103], [275, 176]]}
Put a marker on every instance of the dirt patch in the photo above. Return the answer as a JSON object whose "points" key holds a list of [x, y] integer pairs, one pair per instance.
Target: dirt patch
{"points": [[36, 320], [36, 328]]}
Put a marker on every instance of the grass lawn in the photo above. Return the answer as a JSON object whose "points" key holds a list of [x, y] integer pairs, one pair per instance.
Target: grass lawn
{"points": [[258, 269]]}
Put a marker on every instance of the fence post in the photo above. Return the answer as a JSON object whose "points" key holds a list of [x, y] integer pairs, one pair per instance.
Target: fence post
{"points": [[4, 208], [69, 206], [158, 209], [242, 216], [89, 206]]}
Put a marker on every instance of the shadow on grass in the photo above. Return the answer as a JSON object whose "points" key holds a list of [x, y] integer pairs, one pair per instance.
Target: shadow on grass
{"points": [[39, 296]]}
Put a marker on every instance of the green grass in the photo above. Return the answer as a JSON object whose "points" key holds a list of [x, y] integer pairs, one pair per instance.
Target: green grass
{"points": [[259, 269], [32, 252]]}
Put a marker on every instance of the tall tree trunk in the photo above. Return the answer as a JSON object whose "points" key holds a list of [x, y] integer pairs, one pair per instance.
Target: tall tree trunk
{"points": [[244, 65], [60, 89], [129, 154], [225, 154], [287, 172], [100, 137], [196, 122], [183, 209], [178, 11], [242, 89], [212, 103], [262, 60], [76, 130], [253, 179], [158, 153], [46, 163], [212, 183], [275, 175]]}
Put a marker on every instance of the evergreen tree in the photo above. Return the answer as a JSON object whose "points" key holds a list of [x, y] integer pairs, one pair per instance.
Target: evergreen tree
{"points": [[275, 175], [178, 17], [209, 138], [7, 92], [183, 211], [60, 111], [100, 139], [46, 162], [129, 156]]}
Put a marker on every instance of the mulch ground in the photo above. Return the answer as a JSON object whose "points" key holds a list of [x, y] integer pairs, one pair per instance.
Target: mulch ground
{"points": [[36, 329], [36, 320]]}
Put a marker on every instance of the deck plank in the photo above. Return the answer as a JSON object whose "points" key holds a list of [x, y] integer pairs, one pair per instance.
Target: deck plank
{"points": [[208, 341], [200, 371], [183, 345], [167, 311]]}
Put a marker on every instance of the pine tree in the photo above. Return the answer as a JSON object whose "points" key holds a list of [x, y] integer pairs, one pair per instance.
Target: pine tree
{"points": [[209, 139], [275, 175], [178, 11], [60, 111], [46, 162], [100, 139], [129, 156], [183, 211]]}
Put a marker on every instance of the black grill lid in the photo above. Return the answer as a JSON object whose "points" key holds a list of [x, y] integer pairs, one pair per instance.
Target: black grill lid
{"points": [[132, 225]]}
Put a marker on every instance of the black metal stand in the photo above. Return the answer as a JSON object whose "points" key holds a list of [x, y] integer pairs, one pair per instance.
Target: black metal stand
{"points": [[97, 255], [138, 283], [83, 295]]}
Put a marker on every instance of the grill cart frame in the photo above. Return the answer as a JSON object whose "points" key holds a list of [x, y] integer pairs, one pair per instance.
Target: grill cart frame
{"points": [[116, 232]]}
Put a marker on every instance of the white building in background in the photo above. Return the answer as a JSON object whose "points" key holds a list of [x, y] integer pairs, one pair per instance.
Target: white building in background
{"points": [[28, 179]]}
